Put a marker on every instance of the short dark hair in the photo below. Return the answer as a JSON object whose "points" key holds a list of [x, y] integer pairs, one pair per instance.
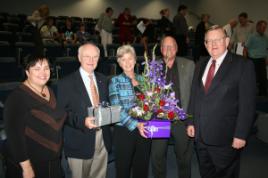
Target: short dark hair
{"points": [[261, 22], [182, 7], [32, 59], [243, 14], [108, 9]]}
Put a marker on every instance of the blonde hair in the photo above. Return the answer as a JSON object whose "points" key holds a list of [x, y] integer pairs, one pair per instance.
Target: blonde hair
{"points": [[124, 49]]}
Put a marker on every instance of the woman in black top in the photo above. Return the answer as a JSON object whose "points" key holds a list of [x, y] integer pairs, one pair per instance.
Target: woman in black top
{"points": [[33, 124]]}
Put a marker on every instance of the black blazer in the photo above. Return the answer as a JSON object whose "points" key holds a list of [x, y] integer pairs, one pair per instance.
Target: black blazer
{"points": [[228, 108], [79, 141]]}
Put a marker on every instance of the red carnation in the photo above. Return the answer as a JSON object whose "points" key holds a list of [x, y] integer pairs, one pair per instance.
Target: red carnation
{"points": [[141, 96], [159, 111], [171, 115], [162, 102], [157, 90], [146, 108]]}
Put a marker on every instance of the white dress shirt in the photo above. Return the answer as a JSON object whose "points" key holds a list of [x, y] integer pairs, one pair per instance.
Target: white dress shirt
{"points": [[217, 66], [86, 80]]}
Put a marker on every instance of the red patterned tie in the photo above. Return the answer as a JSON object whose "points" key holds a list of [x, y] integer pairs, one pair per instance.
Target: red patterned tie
{"points": [[210, 75], [94, 93]]}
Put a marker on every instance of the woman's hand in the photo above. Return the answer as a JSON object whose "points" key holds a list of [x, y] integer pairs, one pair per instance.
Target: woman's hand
{"points": [[142, 130], [27, 169], [134, 82]]}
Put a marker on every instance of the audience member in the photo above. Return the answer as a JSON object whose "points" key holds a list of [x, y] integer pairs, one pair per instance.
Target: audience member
{"points": [[38, 17], [85, 146], [222, 105], [82, 36], [33, 124], [165, 24], [49, 32], [200, 49], [105, 24], [180, 73], [181, 30], [125, 22], [132, 149], [229, 28], [241, 31], [256, 49], [68, 33]]}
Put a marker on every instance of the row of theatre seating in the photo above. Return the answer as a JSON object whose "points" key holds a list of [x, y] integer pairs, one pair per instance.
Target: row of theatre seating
{"points": [[60, 67]]}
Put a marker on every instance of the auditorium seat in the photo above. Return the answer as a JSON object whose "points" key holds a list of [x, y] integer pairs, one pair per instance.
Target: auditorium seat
{"points": [[112, 48], [23, 49], [7, 36], [65, 65], [11, 27], [24, 37], [53, 51], [9, 70], [139, 49], [70, 50], [6, 49]]}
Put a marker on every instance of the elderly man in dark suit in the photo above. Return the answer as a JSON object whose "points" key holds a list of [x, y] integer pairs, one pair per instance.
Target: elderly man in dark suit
{"points": [[223, 106], [180, 72], [85, 146]]}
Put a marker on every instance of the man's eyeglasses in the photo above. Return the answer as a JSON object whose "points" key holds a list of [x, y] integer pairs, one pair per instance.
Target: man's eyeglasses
{"points": [[215, 41]]}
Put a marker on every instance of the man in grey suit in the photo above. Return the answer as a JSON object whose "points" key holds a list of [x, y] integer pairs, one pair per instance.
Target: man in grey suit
{"points": [[180, 73]]}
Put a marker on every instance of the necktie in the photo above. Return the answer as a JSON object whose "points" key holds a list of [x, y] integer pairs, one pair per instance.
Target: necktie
{"points": [[210, 75], [94, 94]]}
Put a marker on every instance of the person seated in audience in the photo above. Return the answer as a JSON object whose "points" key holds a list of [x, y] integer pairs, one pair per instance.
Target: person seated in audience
{"points": [[200, 49], [82, 36], [33, 125], [68, 33], [165, 24], [49, 32]]}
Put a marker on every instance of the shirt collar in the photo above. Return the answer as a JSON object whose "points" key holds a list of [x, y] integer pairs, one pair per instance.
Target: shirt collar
{"points": [[220, 59], [84, 73]]}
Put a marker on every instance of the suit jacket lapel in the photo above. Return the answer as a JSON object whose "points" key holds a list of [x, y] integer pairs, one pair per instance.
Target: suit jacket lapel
{"points": [[224, 68], [81, 89], [201, 73]]}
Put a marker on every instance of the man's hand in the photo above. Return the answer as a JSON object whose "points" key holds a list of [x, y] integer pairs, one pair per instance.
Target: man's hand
{"points": [[238, 143], [190, 131], [89, 122]]}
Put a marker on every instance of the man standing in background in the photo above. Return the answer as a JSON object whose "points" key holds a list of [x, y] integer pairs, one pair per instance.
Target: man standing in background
{"points": [[181, 30], [105, 25], [256, 49]]}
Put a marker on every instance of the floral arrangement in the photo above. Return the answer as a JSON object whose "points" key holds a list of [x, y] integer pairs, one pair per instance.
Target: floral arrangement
{"points": [[156, 98]]}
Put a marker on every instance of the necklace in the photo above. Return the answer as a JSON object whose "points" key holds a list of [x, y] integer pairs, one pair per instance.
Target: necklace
{"points": [[41, 92]]}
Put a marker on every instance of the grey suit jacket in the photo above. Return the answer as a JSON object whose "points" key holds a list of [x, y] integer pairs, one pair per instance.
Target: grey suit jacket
{"points": [[186, 72]]}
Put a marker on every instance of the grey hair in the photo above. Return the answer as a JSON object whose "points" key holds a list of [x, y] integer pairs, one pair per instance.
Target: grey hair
{"points": [[124, 49]]}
